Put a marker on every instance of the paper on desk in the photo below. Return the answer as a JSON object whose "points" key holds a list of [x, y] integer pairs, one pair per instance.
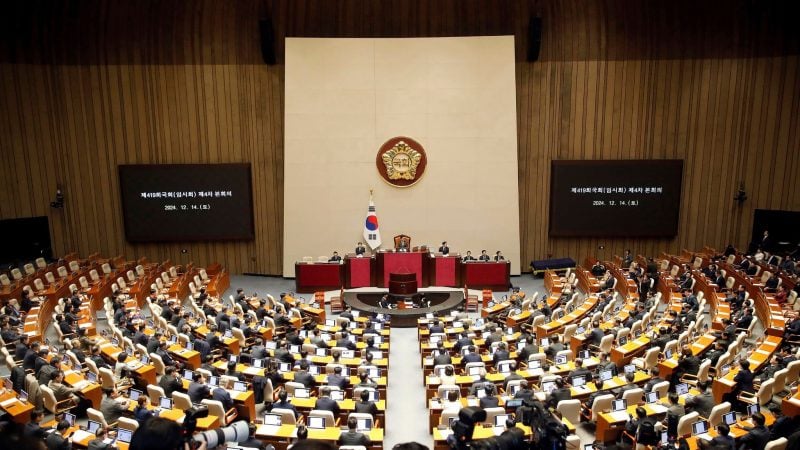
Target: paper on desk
{"points": [[7, 403], [619, 416], [80, 435]]}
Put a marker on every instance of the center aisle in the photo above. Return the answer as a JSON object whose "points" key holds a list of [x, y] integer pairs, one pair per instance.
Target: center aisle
{"points": [[406, 412]]}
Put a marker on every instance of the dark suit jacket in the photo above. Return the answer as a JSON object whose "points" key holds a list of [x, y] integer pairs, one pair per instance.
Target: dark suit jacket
{"points": [[338, 380], [197, 392], [352, 437], [169, 384], [57, 442], [367, 407], [221, 395], [744, 381], [489, 402], [285, 405], [756, 439], [301, 376], [559, 394], [328, 404]]}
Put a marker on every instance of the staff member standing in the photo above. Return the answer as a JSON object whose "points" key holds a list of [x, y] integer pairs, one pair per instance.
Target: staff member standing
{"points": [[444, 249], [360, 249]]}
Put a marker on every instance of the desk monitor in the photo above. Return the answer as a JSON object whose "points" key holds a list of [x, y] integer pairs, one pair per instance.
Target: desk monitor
{"points": [[637, 334], [481, 393], [8, 384], [561, 359], [115, 342], [429, 315], [682, 389], [134, 394], [316, 423], [500, 420], [377, 354], [272, 419], [580, 330], [352, 326], [504, 368], [213, 380], [302, 393], [363, 424], [23, 396], [514, 403], [548, 386], [313, 370], [700, 427], [189, 346], [91, 377], [535, 364], [664, 438], [145, 359], [584, 354], [258, 363], [545, 342], [165, 403], [303, 333], [70, 418], [348, 354], [294, 348], [233, 359], [729, 418], [668, 354], [124, 435], [622, 341], [752, 409], [337, 395], [435, 339], [606, 375], [475, 370], [724, 370], [619, 405], [93, 426], [373, 395], [374, 372], [240, 386], [652, 397], [377, 339], [578, 381], [321, 352], [330, 322], [271, 345], [630, 368], [378, 326], [228, 334], [285, 367]]}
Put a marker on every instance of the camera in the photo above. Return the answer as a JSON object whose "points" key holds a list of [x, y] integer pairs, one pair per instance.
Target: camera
{"points": [[235, 432]]}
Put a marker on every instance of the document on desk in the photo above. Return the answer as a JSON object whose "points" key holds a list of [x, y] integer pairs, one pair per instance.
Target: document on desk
{"points": [[80, 435], [619, 416], [9, 402]]}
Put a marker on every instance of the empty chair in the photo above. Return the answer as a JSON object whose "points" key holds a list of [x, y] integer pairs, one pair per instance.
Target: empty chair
{"points": [[94, 276], [762, 397], [106, 268], [51, 279], [570, 409], [29, 269], [97, 416], [128, 424], [287, 416], [777, 444], [573, 442], [715, 416], [62, 272], [491, 413], [649, 360], [155, 393], [107, 378], [633, 396], [702, 374], [685, 423], [601, 403], [41, 263], [661, 388], [181, 401], [216, 408]]}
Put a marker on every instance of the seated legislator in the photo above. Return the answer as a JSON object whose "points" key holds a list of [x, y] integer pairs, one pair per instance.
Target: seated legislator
{"points": [[468, 257], [498, 256], [484, 256], [335, 258], [444, 249], [360, 249], [353, 437], [403, 245]]}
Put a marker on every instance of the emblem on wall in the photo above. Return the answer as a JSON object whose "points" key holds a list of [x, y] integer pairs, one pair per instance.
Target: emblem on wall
{"points": [[401, 161]]}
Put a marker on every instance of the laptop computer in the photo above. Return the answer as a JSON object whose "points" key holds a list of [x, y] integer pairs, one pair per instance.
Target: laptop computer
{"points": [[321, 352], [504, 368], [584, 354], [134, 394], [622, 341], [316, 423], [272, 419], [651, 397], [548, 386], [630, 368], [302, 393], [682, 389], [514, 403], [240, 386], [729, 418], [619, 405], [124, 435], [285, 367], [664, 438], [145, 359], [233, 358], [700, 427], [165, 403], [258, 363], [363, 424], [561, 359], [475, 370], [330, 322], [93, 426], [535, 364], [23, 396], [348, 354], [213, 381], [294, 348], [545, 342], [70, 418], [578, 381], [270, 345], [373, 395], [337, 395], [724, 370], [500, 420], [752, 409], [606, 375], [91, 377], [189, 346], [188, 374]]}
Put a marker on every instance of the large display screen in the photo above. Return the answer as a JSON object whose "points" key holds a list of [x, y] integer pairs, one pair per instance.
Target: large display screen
{"points": [[186, 202], [630, 198]]}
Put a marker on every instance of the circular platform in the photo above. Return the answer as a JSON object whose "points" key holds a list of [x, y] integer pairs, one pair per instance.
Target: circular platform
{"points": [[441, 302]]}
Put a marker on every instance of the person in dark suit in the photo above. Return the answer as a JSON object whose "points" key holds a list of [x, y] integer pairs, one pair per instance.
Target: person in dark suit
{"points": [[303, 376], [580, 371], [746, 319], [403, 245], [723, 440], [56, 440], [442, 356], [336, 379], [365, 405], [472, 356], [141, 413], [463, 341], [498, 256], [360, 249], [468, 257], [501, 354], [596, 334], [253, 442], [483, 256], [524, 392], [744, 382], [757, 437], [335, 258], [197, 389], [444, 249], [561, 392], [169, 381], [489, 400], [283, 403], [98, 442], [554, 347], [688, 363], [326, 403], [353, 437], [222, 396], [33, 429]]}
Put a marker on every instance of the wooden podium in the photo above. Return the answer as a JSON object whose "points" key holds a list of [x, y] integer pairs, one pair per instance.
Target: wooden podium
{"points": [[402, 284]]}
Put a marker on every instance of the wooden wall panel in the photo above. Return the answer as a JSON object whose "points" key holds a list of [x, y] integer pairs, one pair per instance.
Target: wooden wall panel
{"points": [[88, 85]]}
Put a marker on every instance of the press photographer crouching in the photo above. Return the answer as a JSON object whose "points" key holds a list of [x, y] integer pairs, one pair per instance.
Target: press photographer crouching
{"points": [[163, 434]]}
